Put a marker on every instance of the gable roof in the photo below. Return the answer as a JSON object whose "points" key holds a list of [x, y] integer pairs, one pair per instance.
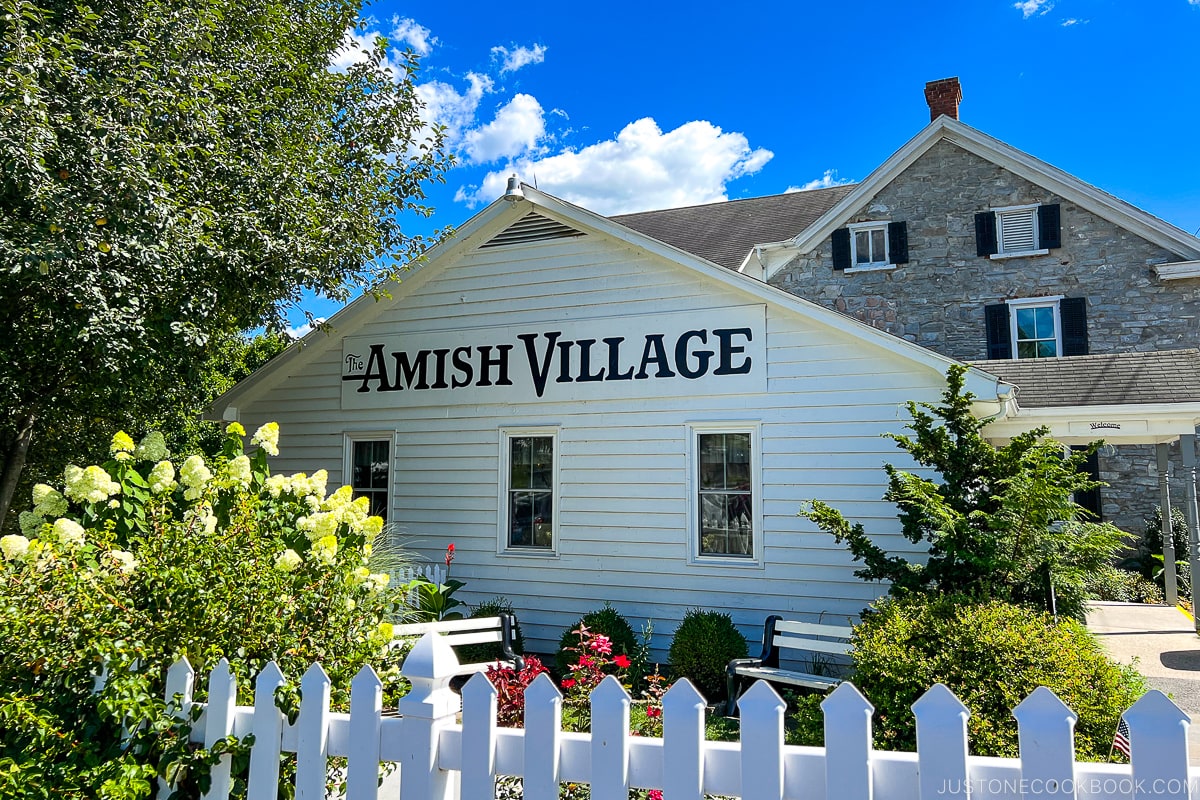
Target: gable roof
{"points": [[1107, 379], [504, 214], [724, 233], [1020, 163]]}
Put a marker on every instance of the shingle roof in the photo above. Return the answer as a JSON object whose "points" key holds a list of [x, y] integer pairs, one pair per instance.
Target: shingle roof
{"points": [[725, 232], [1169, 376]]}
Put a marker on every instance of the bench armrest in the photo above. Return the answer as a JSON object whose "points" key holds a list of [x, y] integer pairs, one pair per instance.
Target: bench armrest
{"points": [[507, 624]]}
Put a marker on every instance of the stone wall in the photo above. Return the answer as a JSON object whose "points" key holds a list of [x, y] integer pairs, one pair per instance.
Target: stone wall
{"points": [[937, 299]]}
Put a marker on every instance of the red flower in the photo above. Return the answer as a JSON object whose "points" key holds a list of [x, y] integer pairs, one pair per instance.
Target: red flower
{"points": [[621, 661], [584, 661], [568, 683], [601, 644], [449, 554], [653, 711], [654, 794]]}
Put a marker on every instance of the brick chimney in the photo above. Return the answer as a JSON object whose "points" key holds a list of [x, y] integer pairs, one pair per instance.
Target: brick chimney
{"points": [[943, 97]]}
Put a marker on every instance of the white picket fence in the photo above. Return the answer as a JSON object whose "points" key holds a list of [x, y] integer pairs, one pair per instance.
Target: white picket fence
{"points": [[441, 758]]}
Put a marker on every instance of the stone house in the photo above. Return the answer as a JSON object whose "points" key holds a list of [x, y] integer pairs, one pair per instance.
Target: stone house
{"points": [[972, 248]]}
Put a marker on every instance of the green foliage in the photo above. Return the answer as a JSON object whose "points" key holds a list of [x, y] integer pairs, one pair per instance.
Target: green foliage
{"points": [[606, 621], [704, 644], [490, 651], [1148, 558], [999, 520], [142, 561], [991, 655], [171, 172], [1120, 585]]}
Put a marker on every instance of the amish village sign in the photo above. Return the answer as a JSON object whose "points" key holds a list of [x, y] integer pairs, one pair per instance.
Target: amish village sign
{"points": [[720, 351]]}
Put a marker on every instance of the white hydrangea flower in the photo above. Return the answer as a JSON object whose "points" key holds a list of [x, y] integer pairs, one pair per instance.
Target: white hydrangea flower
{"points": [[31, 523], [48, 502], [152, 448], [278, 484], [267, 437], [194, 475], [378, 581], [288, 560], [162, 477], [91, 485], [358, 576], [69, 532], [121, 447], [341, 497], [124, 561], [239, 470], [14, 546], [318, 525], [325, 549], [317, 484], [372, 526]]}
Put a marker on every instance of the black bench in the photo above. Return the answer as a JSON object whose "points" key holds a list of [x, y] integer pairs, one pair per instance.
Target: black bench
{"points": [[778, 635]]}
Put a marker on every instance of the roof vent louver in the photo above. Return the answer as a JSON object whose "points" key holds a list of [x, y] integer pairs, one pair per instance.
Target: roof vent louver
{"points": [[532, 228]]}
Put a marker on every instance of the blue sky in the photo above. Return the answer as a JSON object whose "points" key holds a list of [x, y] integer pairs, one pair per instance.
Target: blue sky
{"points": [[625, 106]]}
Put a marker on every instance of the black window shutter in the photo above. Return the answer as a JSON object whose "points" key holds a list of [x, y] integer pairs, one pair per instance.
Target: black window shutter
{"points": [[841, 248], [1049, 227], [999, 337], [1073, 315], [985, 233], [1090, 500], [898, 242]]}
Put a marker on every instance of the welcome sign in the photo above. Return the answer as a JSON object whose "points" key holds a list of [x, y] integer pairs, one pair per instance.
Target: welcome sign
{"points": [[718, 351]]}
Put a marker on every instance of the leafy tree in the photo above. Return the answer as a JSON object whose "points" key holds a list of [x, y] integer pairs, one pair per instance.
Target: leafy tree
{"points": [[172, 171], [998, 524]]}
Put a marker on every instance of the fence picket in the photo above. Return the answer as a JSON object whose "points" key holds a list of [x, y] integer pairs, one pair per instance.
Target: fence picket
{"points": [[479, 738], [180, 679], [610, 740], [1046, 733], [761, 709], [543, 731], [848, 742], [222, 696], [1158, 743], [263, 783], [942, 744], [366, 710], [683, 742], [312, 735]]}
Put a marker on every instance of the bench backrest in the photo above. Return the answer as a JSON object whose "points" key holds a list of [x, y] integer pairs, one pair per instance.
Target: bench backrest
{"points": [[803, 636], [456, 631]]}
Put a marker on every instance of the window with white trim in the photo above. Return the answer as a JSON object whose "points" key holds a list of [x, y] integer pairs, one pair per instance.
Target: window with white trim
{"points": [[726, 492], [529, 489], [1016, 230], [1036, 328], [368, 463], [869, 245]]}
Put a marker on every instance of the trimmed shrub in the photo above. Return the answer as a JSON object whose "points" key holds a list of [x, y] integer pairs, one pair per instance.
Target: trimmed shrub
{"points": [[606, 621], [704, 644], [490, 651], [991, 655], [1110, 583]]}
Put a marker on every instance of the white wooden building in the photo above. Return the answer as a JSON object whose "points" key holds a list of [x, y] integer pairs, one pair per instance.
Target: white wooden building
{"points": [[591, 415]]}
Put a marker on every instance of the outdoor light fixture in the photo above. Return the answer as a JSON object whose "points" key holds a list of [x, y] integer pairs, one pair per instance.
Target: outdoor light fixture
{"points": [[513, 193]]}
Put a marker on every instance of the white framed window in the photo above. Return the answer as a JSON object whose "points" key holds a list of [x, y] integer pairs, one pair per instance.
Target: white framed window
{"points": [[368, 467], [869, 244], [1016, 230], [1036, 327], [529, 491], [726, 493]]}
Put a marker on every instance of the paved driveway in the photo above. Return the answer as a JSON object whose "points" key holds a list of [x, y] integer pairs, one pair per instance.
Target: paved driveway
{"points": [[1162, 642]]}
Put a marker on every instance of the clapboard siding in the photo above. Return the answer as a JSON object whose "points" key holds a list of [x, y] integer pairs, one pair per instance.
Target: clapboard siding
{"points": [[623, 478]]}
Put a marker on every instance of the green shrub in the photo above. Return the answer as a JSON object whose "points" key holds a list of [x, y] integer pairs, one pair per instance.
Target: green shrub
{"points": [[1110, 583], [704, 644], [991, 655], [490, 651], [137, 561], [606, 621]]}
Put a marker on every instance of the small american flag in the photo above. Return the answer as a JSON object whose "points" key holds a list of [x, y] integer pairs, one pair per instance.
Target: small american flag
{"points": [[1121, 738]]}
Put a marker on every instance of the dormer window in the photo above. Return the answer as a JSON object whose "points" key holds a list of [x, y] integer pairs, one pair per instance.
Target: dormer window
{"points": [[1029, 230]]}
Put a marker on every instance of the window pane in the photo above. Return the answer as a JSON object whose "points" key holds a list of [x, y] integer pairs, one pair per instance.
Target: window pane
{"points": [[1047, 349], [862, 247], [1044, 322], [531, 496], [712, 461], [379, 465], [877, 248], [737, 470], [521, 459], [520, 519], [1026, 349], [543, 519], [1026, 324], [542, 475]]}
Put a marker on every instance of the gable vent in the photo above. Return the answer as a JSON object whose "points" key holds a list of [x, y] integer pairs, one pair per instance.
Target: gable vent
{"points": [[532, 228]]}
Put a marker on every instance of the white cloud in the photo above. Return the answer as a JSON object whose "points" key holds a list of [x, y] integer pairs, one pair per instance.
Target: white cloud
{"points": [[1066, 23], [830, 178], [1031, 8], [411, 33], [519, 125], [446, 105], [642, 168], [513, 60], [300, 331]]}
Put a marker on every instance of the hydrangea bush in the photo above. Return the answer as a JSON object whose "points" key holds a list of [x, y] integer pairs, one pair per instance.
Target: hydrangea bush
{"points": [[132, 564]]}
